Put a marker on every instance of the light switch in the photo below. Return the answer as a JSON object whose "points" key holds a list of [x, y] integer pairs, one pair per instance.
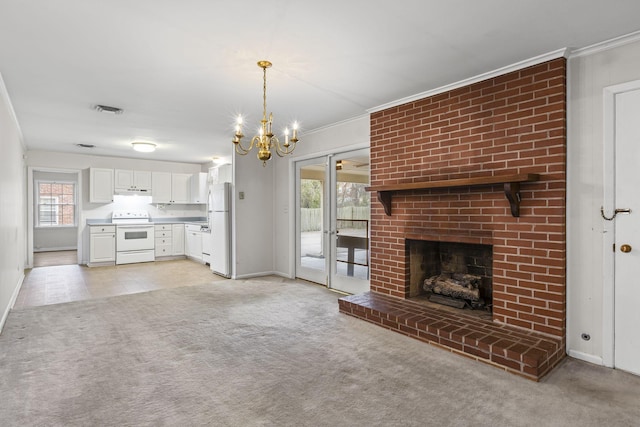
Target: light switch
{"points": [[241, 195]]}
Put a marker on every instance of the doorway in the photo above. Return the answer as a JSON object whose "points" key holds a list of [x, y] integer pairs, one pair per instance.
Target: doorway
{"points": [[622, 230], [53, 218], [332, 220]]}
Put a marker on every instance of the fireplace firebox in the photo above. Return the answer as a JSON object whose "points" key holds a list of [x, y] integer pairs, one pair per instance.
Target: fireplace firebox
{"points": [[451, 273]]}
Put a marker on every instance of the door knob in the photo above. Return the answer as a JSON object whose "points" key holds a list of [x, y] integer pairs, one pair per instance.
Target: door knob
{"points": [[625, 248]]}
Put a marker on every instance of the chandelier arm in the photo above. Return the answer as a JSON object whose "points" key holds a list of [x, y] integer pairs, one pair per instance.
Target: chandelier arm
{"points": [[280, 151], [241, 150]]}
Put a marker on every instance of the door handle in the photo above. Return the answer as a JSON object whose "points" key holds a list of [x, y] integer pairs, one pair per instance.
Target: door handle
{"points": [[625, 248]]}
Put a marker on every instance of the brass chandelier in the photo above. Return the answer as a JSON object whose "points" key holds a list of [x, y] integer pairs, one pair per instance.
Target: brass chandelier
{"points": [[266, 140]]}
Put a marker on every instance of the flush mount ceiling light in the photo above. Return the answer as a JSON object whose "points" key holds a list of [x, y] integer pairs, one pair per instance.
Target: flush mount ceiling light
{"points": [[107, 109], [144, 147], [265, 140]]}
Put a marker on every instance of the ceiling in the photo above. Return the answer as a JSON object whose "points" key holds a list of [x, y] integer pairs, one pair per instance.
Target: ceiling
{"points": [[182, 70]]}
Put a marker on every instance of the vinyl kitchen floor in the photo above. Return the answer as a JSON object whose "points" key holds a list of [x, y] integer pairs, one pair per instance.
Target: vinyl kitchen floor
{"points": [[65, 283]]}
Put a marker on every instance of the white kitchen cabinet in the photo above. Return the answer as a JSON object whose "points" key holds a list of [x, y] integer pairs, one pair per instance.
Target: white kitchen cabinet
{"points": [[199, 189], [177, 233], [100, 185], [193, 241], [167, 187], [220, 174], [163, 240], [169, 240], [102, 244], [132, 181], [180, 187]]}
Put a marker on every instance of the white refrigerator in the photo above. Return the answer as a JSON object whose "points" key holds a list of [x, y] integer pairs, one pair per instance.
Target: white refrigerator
{"points": [[220, 225]]}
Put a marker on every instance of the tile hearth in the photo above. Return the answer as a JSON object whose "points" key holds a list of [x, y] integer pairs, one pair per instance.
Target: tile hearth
{"points": [[525, 353]]}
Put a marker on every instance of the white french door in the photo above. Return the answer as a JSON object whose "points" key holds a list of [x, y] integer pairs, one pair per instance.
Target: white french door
{"points": [[332, 221]]}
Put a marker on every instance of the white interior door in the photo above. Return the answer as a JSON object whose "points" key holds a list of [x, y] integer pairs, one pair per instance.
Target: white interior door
{"points": [[627, 232]]}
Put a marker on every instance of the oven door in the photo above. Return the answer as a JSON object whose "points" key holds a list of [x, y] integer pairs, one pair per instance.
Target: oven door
{"points": [[134, 237]]}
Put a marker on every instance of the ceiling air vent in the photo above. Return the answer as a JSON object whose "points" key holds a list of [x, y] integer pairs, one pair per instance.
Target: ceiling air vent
{"points": [[85, 145], [108, 109]]}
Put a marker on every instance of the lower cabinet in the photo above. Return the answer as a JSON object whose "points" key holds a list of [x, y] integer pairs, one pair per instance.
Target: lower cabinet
{"points": [[164, 240], [177, 231], [169, 240], [102, 244], [193, 241]]}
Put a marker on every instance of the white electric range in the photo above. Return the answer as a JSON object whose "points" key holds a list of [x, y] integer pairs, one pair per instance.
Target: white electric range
{"points": [[135, 237]]}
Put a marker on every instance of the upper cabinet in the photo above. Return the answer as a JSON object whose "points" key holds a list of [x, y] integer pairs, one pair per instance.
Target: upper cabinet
{"points": [[170, 187], [130, 181], [100, 185], [199, 189]]}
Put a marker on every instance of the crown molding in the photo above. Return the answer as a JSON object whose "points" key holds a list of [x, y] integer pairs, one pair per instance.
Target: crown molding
{"points": [[606, 45], [560, 53], [4, 95], [335, 124]]}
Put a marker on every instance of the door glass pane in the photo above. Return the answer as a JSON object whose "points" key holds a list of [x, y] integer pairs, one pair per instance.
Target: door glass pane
{"points": [[352, 217], [311, 263]]}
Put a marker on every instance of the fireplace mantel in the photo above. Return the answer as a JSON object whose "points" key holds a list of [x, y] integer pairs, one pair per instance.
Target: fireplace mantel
{"points": [[511, 184]]}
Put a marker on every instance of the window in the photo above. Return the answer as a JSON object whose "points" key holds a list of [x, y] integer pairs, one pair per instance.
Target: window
{"points": [[56, 203]]}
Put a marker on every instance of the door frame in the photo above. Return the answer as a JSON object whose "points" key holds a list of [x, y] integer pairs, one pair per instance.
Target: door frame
{"points": [[31, 213], [292, 195], [608, 236]]}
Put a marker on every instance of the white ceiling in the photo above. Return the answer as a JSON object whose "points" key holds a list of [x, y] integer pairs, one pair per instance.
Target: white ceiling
{"points": [[182, 70]]}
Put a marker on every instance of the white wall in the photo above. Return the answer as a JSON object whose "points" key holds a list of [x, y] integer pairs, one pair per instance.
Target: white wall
{"points": [[12, 206], [253, 216], [590, 71], [344, 136], [82, 162]]}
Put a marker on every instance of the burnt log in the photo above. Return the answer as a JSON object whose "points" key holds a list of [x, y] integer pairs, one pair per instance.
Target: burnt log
{"points": [[463, 286]]}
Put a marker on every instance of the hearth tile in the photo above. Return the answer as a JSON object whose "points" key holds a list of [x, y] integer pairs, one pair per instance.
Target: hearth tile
{"points": [[428, 336], [460, 333], [435, 327], [451, 344], [516, 351], [445, 331], [501, 346], [503, 361], [473, 338], [476, 352], [533, 356], [486, 342]]}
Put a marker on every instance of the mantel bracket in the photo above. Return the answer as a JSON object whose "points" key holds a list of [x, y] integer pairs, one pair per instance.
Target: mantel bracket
{"points": [[512, 191], [384, 197]]}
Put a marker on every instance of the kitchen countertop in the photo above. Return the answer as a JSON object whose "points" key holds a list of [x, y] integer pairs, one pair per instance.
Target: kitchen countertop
{"points": [[177, 220]]}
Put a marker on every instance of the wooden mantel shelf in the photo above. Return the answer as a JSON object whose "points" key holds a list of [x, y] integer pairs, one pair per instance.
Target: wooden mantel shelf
{"points": [[511, 187]]}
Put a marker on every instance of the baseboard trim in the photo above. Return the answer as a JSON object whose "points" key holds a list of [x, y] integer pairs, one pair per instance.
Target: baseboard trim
{"points": [[62, 248], [254, 275], [586, 357], [12, 301]]}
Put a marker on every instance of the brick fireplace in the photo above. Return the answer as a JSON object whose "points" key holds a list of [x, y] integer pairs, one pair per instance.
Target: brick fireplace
{"points": [[484, 164]]}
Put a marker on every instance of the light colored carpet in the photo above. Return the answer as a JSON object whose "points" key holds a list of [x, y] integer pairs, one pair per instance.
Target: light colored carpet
{"points": [[269, 352]]}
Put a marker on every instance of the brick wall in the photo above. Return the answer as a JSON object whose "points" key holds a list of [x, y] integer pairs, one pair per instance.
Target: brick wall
{"points": [[515, 123]]}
